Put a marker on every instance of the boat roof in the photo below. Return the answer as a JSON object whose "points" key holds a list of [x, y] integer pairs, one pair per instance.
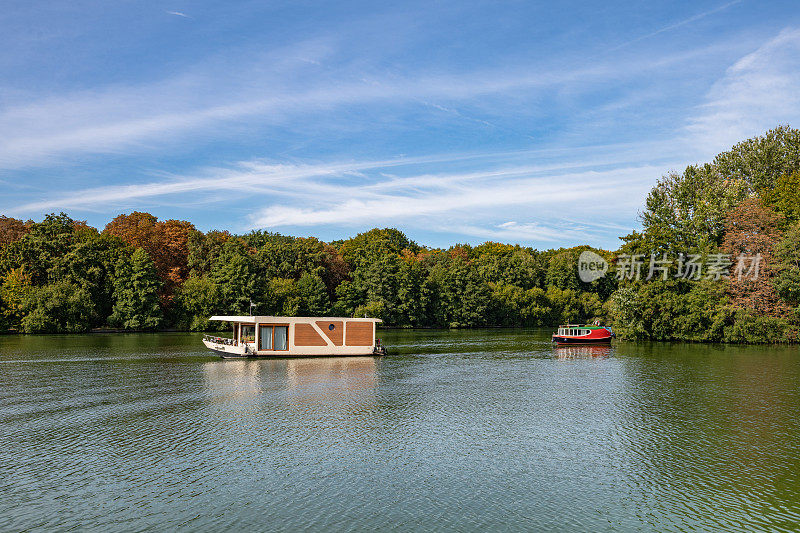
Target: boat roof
{"points": [[262, 319]]}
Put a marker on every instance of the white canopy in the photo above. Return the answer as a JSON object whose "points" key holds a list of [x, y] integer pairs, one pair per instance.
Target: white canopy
{"points": [[266, 319]]}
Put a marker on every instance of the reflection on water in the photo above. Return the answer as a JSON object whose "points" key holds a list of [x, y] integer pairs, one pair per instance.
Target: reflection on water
{"points": [[347, 374], [239, 383], [459, 430], [564, 352]]}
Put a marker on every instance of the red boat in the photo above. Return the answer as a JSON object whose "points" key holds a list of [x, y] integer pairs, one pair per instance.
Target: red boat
{"points": [[583, 334]]}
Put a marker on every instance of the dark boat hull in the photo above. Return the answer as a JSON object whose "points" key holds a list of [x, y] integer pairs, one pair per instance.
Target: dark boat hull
{"points": [[574, 340]]}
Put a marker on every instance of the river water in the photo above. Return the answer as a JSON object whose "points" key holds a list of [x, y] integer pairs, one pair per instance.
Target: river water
{"points": [[453, 431]]}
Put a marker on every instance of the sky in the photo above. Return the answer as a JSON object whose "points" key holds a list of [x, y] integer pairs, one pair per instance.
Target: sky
{"points": [[538, 123]]}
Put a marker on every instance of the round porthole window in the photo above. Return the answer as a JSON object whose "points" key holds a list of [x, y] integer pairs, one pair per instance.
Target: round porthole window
{"points": [[331, 327]]}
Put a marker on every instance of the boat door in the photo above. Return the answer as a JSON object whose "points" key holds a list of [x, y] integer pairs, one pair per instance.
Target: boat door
{"points": [[273, 337]]}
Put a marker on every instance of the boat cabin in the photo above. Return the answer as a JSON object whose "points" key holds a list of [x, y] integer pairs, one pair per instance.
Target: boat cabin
{"points": [[573, 331], [280, 336]]}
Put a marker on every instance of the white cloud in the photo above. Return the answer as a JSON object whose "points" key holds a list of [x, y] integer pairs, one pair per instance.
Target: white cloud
{"points": [[758, 92], [574, 187], [525, 195], [678, 24], [556, 231], [268, 91], [363, 180], [463, 196]]}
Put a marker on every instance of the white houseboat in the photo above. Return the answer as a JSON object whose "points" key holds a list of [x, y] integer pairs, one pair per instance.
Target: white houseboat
{"points": [[283, 336]]}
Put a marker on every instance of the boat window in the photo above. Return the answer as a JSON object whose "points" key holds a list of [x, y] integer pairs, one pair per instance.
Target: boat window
{"points": [[265, 338], [248, 334], [273, 338], [281, 337]]}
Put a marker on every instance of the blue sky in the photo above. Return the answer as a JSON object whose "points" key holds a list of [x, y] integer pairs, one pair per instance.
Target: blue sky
{"points": [[540, 123]]}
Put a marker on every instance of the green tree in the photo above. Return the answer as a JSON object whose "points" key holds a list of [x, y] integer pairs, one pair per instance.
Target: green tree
{"points": [[670, 310], [195, 301], [235, 273], [514, 265], [349, 297], [784, 197], [136, 289], [565, 306], [761, 160], [282, 297], [413, 292], [380, 281], [747, 327], [364, 248], [91, 265], [687, 211], [513, 306], [204, 249], [787, 282], [462, 297], [313, 296], [38, 249], [58, 307], [291, 258], [15, 287]]}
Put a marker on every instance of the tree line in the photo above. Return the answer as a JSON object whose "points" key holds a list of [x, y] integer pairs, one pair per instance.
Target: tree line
{"points": [[141, 273], [745, 202]]}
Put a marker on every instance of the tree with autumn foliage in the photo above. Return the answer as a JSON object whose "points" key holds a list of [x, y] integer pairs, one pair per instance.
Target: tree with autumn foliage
{"points": [[751, 235], [165, 242], [12, 229]]}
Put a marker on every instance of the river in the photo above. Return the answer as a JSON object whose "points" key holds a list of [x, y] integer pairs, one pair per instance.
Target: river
{"points": [[453, 431]]}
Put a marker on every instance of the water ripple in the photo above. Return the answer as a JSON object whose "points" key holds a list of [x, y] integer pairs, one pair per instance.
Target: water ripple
{"points": [[456, 431]]}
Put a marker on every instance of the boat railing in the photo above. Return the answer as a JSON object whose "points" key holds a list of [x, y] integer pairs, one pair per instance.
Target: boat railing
{"points": [[219, 340]]}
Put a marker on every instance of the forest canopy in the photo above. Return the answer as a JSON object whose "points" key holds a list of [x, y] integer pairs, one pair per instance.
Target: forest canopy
{"points": [[141, 273]]}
